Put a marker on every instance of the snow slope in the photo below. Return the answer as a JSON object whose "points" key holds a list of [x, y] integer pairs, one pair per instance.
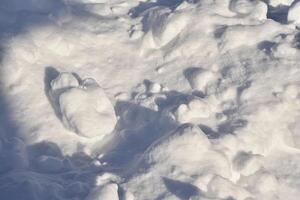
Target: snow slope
{"points": [[149, 99]]}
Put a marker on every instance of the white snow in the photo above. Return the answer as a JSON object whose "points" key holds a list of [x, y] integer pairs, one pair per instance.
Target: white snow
{"points": [[293, 15], [86, 110], [149, 99], [280, 2], [109, 191], [202, 80], [196, 110]]}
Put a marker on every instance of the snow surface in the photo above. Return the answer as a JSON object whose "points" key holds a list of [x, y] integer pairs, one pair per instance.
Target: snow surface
{"points": [[149, 99]]}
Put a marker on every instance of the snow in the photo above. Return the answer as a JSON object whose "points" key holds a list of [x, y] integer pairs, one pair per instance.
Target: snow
{"points": [[222, 188], [201, 79], [162, 26], [149, 99], [84, 107], [275, 3], [293, 15], [104, 192], [196, 110]]}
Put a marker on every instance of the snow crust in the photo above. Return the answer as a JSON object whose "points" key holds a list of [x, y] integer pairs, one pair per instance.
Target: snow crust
{"points": [[149, 99]]}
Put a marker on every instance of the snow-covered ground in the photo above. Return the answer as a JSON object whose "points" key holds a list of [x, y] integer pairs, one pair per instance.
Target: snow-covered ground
{"points": [[149, 99]]}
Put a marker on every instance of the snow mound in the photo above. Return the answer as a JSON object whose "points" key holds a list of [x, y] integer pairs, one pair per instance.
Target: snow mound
{"points": [[109, 191], [196, 110], [85, 108], [188, 140], [197, 99], [242, 7], [293, 15], [275, 3], [202, 80], [162, 26]]}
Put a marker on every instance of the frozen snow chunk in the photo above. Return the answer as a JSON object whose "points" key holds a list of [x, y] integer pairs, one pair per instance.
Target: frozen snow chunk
{"points": [[294, 13], [162, 26], [154, 88], [50, 164], [87, 110], [276, 3], [222, 7], [260, 11], [84, 108], [247, 163], [242, 6], [223, 188], [195, 110], [106, 192], [253, 8], [105, 178], [201, 79]]}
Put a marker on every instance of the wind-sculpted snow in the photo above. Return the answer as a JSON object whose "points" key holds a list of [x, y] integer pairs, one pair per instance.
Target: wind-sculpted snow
{"points": [[149, 99]]}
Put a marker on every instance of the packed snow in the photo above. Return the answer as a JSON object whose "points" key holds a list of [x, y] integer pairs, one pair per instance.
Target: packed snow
{"points": [[149, 100]]}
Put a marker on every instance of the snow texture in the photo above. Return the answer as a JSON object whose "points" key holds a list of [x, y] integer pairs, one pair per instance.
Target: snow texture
{"points": [[149, 100]]}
